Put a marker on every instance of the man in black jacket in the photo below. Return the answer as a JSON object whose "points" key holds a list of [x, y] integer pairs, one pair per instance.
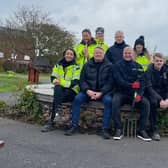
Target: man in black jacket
{"points": [[157, 90], [95, 84], [115, 52], [129, 79]]}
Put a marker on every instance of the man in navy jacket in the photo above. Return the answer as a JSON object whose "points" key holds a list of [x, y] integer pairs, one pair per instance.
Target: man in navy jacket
{"points": [[157, 90], [129, 79], [115, 52]]}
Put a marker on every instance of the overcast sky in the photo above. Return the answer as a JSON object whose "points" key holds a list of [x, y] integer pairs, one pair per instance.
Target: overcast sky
{"points": [[134, 17]]}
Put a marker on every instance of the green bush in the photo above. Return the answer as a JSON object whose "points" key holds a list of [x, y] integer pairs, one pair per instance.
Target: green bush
{"points": [[1, 67], [29, 105], [163, 120]]}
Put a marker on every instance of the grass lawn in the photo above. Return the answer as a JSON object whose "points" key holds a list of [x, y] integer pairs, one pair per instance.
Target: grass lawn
{"points": [[16, 82]]}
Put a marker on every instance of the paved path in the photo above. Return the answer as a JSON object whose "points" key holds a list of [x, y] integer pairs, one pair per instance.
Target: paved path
{"points": [[10, 98], [27, 147]]}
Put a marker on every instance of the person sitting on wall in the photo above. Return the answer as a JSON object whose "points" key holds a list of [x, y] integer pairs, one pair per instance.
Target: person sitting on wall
{"points": [[129, 78], [65, 77], [96, 84], [157, 90]]}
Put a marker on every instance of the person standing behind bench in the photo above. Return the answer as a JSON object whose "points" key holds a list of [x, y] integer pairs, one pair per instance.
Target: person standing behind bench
{"points": [[65, 77], [115, 52], [96, 84], [84, 50], [129, 79], [157, 90], [141, 53], [99, 38]]}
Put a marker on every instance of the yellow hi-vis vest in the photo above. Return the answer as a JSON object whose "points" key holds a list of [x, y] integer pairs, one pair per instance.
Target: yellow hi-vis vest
{"points": [[143, 61], [101, 44], [81, 59], [66, 75]]}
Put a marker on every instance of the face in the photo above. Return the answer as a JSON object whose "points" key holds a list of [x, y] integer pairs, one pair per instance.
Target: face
{"points": [[119, 37], [69, 56], [128, 54], [100, 36], [98, 55], [86, 37], [158, 62], [139, 48]]}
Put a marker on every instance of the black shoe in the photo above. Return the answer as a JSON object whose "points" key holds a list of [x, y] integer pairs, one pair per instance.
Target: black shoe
{"points": [[48, 127], [144, 136], [155, 136], [71, 131], [118, 134], [105, 134]]}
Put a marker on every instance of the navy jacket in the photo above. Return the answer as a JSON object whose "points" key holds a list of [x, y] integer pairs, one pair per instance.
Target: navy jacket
{"points": [[157, 82], [115, 52], [97, 77], [125, 73]]}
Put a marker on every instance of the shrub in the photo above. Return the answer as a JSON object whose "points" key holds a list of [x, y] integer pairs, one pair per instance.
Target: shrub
{"points": [[29, 105]]}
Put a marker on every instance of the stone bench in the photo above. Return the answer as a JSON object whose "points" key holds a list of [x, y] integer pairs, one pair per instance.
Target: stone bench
{"points": [[91, 113]]}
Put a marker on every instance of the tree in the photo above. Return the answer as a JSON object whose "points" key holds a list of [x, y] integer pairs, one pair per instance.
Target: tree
{"points": [[46, 38]]}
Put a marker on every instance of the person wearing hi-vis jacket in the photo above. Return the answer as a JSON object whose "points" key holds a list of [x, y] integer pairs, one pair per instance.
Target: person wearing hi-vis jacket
{"points": [[85, 48], [129, 78], [65, 77]]}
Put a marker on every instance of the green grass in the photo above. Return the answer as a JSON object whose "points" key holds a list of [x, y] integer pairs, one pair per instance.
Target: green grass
{"points": [[16, 82]]}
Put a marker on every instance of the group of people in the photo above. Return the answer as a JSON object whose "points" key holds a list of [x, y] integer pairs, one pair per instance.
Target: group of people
{"points": [[115, 75]]}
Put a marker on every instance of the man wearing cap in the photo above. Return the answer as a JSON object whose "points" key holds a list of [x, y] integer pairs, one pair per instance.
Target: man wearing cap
{"points": [[115, 52], [85, 48], [99, 37]]}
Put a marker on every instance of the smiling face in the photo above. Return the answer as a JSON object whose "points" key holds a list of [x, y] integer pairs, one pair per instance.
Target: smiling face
{"points": [[69, 55], [119, 37], [139, 48], [128, 54], [158, 62], [86, 37], [100, 36], [98, 55]]}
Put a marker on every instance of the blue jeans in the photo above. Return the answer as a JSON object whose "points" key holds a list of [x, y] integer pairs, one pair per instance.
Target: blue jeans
{"points": [[81, 98]]}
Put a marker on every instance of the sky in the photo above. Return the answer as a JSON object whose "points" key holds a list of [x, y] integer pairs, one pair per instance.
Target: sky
{"points": [[133, 17]]}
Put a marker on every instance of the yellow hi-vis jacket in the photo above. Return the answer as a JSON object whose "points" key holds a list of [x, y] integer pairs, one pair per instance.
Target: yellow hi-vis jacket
{"points": [[79, 48], [66, 75], [143, 60], [101, 44]]}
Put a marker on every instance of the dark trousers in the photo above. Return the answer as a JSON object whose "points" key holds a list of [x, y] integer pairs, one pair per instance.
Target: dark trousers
{"points": [[153, 117], [81, 98], [61, 95], [119, 99]]}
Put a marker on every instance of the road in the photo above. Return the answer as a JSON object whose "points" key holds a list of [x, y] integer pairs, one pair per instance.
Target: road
{"points": [[27, 147]]}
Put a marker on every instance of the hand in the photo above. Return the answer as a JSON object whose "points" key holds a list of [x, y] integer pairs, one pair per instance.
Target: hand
{"points": [[97, 95], [90, 93], [85, 52], [163, 104], [56, 82], [135, 85], [166, 102], [138, 98]]}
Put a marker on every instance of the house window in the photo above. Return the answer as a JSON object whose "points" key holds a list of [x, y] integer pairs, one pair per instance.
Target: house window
{"points": [[13, 56], [1, 54], [26, 57]]}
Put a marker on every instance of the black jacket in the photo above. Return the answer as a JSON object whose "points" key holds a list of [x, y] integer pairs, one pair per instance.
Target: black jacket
{"points": [[115, 52], [96, 76], [125, 73], [157, 82]]}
